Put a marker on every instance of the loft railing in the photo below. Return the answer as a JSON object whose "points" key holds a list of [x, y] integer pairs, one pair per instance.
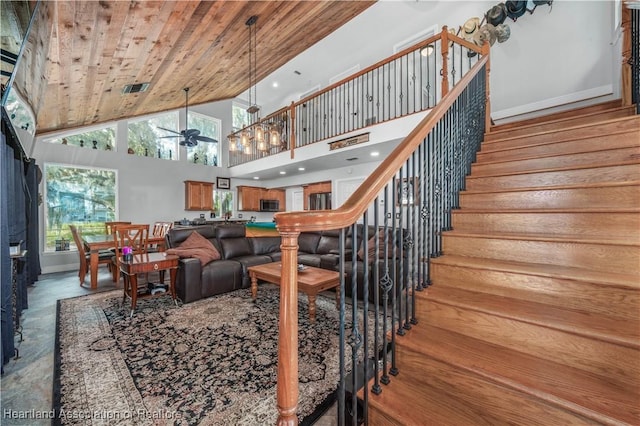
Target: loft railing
{"points": [[411, 81], [396, 217]]}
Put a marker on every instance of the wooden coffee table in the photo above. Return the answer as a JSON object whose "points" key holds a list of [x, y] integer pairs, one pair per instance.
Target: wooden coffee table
{"points": [[311, 281]]}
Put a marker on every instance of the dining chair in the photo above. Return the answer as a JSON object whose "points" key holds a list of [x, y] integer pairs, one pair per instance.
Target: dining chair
{"points": [[160, 229], [104, 256], [135, 236], [108, 226]]}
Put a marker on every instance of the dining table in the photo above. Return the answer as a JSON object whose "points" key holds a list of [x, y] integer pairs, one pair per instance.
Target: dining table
{"points": [[97, 242]]}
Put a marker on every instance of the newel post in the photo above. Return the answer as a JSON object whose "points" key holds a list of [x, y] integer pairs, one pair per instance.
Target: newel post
{"points": [[444, 72], [288, 332], [487, 111]]}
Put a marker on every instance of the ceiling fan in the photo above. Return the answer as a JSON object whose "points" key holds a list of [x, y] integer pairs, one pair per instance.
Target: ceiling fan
{"points": [[190, 137]]}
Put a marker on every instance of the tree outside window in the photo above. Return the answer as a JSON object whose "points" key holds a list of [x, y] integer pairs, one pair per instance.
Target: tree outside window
{"points": [[103, 139], [85, 197], [147, 139], [223, 203], [205, 152]]}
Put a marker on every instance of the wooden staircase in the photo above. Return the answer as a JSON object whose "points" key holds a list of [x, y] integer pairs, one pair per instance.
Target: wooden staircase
{"points": [[533, 316]]}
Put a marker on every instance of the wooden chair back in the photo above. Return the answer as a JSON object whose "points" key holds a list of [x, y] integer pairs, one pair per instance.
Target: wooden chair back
{"points": [[160, 229], [134, 236], [108, 226], [81, 251]]}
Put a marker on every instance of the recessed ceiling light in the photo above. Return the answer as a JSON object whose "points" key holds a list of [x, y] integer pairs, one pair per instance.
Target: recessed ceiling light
{"points": [[301, 169], [283, 172], [375, 153], [256, 177], [274, 84]]}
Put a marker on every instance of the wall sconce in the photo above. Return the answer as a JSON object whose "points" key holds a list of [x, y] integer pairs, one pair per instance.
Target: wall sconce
{"points": [[427, 50]]}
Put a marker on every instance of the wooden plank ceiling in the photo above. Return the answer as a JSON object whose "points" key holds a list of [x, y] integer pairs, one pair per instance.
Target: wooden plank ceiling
{"points": [[81, 54]]}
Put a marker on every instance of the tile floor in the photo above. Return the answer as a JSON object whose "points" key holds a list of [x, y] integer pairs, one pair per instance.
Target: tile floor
{"points": [[26, 386]]}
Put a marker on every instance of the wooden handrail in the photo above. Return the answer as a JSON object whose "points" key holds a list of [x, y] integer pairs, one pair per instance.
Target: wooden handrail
{"points": [[366, 193]]}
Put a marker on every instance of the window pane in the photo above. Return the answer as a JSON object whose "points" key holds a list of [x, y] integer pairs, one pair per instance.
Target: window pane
{"points": [[240, 117], [147, 139], [205, 152], [103, 139], [77, 196], [223, 203]]}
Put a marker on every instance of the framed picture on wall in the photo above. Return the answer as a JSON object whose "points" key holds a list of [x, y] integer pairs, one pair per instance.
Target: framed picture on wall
{"points": [[407, 191], [223, 183]]}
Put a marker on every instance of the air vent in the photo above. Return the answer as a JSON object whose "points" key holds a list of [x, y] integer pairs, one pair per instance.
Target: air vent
{"points": [[135, 88], [352, 159]]}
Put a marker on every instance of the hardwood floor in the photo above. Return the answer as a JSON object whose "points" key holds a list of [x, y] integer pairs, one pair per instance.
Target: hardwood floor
{"points": [[27, 382]]}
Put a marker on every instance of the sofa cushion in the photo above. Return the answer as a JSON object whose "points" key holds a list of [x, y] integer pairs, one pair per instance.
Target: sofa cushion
{"points": [[175, 236], [230, 231], [196, 246], [371, 247], [265, 245], [308, 242], [235, 247], [309, 259], [220, 277]]}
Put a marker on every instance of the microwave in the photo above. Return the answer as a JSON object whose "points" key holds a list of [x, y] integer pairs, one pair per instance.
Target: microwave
{"points": [[269, 205]]}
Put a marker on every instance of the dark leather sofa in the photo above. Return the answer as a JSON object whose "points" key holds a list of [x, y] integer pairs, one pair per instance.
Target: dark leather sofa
{"points": [[239, 252]]}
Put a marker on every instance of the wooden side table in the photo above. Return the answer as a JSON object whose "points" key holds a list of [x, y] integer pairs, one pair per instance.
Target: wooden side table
{"points": [[145, 263]]}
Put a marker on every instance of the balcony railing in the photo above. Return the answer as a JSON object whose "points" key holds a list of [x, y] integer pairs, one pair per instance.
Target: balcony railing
{"points": [[411, 81]]}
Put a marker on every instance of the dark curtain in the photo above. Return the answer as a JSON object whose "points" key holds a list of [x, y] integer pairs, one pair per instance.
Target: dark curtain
{"points": [[19, 222]]}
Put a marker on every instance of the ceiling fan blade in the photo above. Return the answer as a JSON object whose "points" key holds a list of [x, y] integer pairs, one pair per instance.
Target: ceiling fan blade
{"points": [[191, 133], [205, 139], [169, 130]]}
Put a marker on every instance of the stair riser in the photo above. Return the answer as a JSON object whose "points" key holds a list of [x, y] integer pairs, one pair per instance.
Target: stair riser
{"points": [[622, 173], [588, 131], [604, 106], [546, 127], [591, 256], [585, 224], [581, 296], [624, 197], [571, 160], [565, 348]]}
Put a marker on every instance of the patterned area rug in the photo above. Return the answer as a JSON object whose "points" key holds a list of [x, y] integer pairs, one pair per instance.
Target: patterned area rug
{"points": [[211, 362]]}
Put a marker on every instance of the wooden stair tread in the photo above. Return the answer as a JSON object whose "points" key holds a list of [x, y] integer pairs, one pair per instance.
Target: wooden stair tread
{"points": [[555, 383], [553, 187], [613, 330], [595, 124], [447, 395], [484, 162], [533, 210], [601, 106], [628, 281], [569, 238], [558, 169], [567, 121]]}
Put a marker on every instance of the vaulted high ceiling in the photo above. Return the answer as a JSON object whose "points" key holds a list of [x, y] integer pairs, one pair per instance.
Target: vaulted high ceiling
{"points": [[81, 54]]}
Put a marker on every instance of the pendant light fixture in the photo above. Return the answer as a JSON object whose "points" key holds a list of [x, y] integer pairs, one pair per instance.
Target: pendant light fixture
{"points": [[253, 108]]}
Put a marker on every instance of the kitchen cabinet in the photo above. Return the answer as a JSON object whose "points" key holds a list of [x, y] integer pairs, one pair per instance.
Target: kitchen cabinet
{"points": [[198, 195], [249, 197]]}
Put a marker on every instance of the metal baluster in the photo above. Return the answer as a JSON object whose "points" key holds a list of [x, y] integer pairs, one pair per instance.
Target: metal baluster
{"points": [[355, 339], [401, 282], [394, 258], [378, 348], [386, 284], [341, 332]]}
